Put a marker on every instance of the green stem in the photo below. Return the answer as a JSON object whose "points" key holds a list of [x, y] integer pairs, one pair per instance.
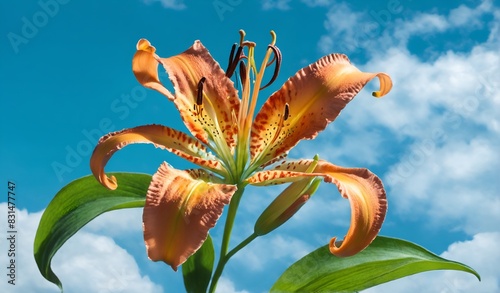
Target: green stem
{"points": [[241, 245], [225, 259], [231, 215]]}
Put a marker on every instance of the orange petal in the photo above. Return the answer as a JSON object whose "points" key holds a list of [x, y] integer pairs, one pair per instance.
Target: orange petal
{"points": [[364, 190], [178, 213], [175, 141], [288, 171], [368, 201], [211, 120], [145, 67], [315, 96], [274, 177], [220, 102]]}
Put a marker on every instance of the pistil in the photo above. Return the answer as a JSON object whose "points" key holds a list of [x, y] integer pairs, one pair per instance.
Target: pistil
{"points": [[257, 86]]}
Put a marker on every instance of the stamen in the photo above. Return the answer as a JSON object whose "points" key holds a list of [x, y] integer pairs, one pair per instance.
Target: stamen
{"points": [[243, 72], [287, 112], [199, 97], [232, 67], [248, 44], [231, 56], [278, 57], [272, 61]]}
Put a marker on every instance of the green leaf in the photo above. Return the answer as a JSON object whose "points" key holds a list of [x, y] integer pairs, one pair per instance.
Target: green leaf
{"points": [[197, 270], [78, 203], [386, 259]]}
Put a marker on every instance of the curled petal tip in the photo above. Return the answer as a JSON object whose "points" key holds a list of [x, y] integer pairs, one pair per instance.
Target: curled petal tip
{"points": [[97, 163], [385, 85], [333, 245], [145, 68], [109, 182], [367, 197], [145, 45]]}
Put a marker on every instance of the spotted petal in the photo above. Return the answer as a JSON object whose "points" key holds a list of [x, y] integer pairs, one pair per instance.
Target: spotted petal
{"points": [[363, 189], [179, 211], [306, 103], [210, 118], [161, 136]]}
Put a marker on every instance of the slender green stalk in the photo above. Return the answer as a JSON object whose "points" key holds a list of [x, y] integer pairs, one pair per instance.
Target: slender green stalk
{"points": [[224, 255], [224, 259], [231, 215], [241, 245]]}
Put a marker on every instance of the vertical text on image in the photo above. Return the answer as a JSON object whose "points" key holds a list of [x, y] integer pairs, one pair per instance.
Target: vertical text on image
{"points": [[11, 232]]}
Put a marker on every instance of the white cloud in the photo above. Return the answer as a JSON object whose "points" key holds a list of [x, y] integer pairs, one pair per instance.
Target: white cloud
{"points": [[425, 23], [172, 4], [459, 84], [449, 109], [441, 119], [481, 253], [106, 266], [452, 186], [275, 4], [315, 3], [225, 285], [342, 24], [466, 16], [349, 30], [337, 147], [86, 263], [440, 131], [117, 222], [269, 249]]}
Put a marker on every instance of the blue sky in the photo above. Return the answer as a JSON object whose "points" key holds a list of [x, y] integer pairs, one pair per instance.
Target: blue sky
{"points": [[65, 79]]}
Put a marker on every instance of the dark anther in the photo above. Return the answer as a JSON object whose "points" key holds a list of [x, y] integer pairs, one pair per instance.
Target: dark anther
{"points": [[231, 57], [243, 72], [199, 96], [277, 56], [233, 61], [287, 112]]}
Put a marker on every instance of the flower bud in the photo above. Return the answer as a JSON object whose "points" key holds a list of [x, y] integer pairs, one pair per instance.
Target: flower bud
{"points": [[287, 203]]}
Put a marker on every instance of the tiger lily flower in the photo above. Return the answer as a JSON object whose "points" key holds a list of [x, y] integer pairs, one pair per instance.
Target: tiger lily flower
{"points": [[234, 147]]}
